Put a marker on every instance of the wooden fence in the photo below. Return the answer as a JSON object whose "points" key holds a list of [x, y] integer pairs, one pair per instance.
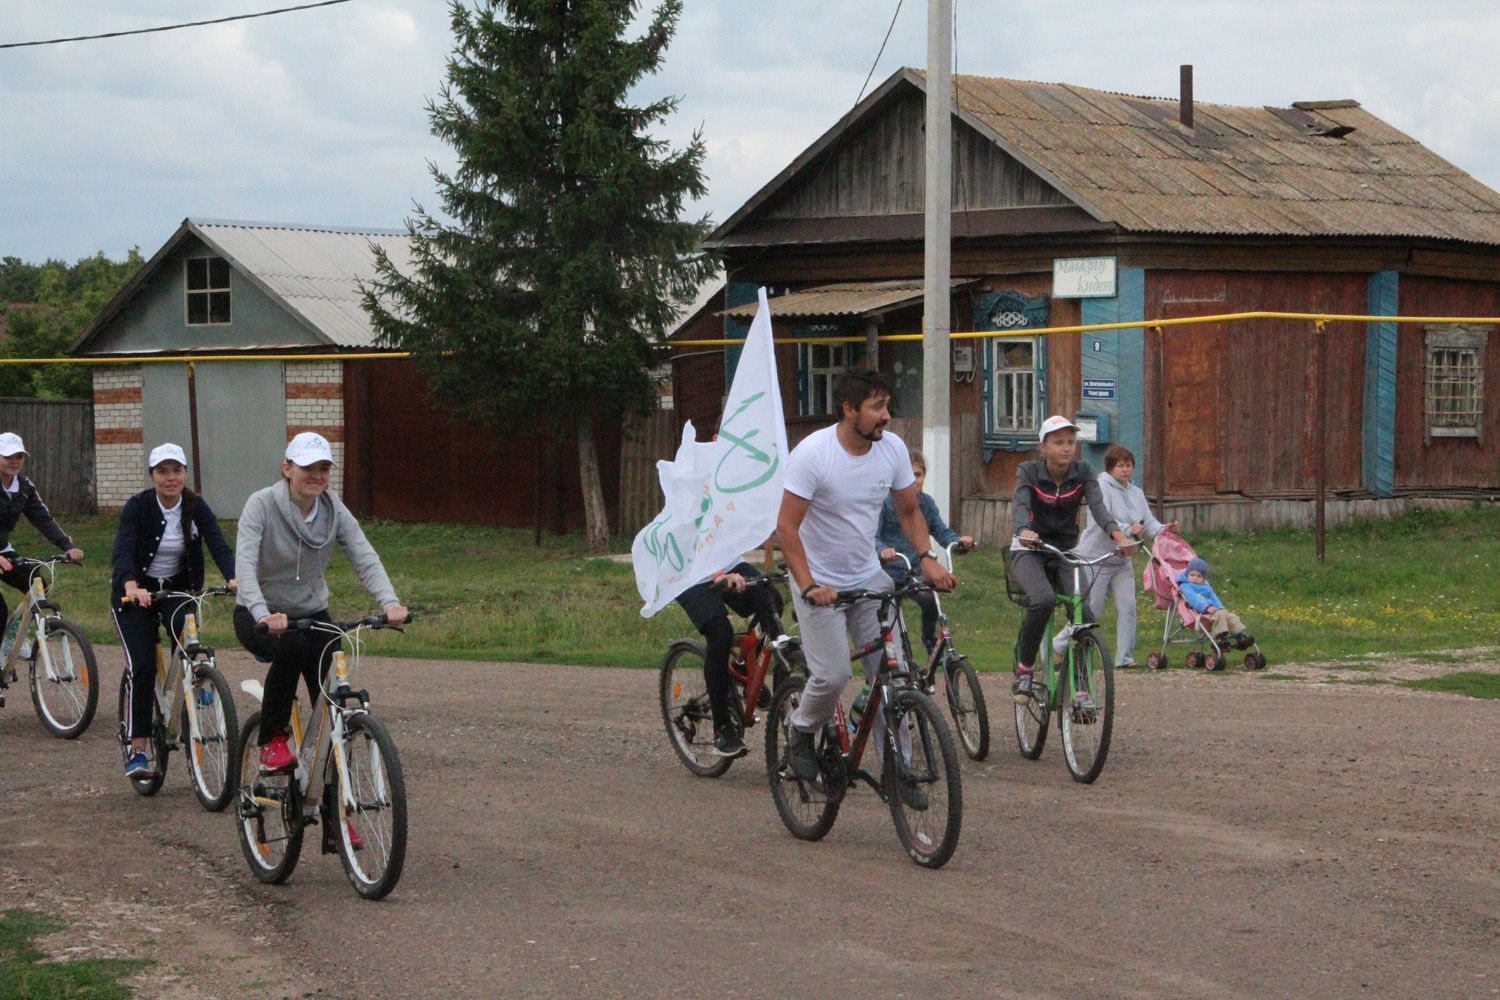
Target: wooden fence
{"points": [[59, 436], [644, 441]]}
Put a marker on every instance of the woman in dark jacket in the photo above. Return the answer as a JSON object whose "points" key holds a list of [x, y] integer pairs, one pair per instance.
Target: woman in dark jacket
{"points": [[159, 546]]}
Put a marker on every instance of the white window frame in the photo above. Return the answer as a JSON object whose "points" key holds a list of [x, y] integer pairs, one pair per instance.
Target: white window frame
{"points": [[208, 291], [1453, 381], [1001, 375], [821, 378]]}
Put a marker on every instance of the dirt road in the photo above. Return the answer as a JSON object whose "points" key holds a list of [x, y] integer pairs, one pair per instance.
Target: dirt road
{"points": [[1249, 838]]}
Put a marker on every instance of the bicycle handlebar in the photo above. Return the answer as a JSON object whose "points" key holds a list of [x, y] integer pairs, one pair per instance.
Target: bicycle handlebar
{"points": [[314, 624], [1069, 557], [157, 595], [22, 562]]}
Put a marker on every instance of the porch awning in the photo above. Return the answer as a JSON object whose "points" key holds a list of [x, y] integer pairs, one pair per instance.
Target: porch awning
{"points": [[862, 299]]}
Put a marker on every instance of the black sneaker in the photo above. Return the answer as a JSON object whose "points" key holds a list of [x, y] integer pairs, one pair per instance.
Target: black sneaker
{"points": [[728, 744], [1243, 641], [801, 755], [1020, 688]]}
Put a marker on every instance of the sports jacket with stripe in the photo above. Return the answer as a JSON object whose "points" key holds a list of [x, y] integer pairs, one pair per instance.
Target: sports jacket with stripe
{"points": [[1051, 508]]}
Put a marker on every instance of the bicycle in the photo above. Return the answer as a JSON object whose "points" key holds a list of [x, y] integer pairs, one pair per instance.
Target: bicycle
{"points": [[920, 779], [965, 698], [764, 647], [207, 724], [362, 789], [1084, 699], [64, 675]]}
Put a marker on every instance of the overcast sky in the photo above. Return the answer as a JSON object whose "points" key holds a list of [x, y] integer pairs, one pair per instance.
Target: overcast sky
{"points": [[318, 116]]}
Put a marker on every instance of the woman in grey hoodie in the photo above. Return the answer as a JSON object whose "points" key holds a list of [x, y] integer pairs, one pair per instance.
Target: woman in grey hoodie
{"points": [[1116, 575], [286, 538]]}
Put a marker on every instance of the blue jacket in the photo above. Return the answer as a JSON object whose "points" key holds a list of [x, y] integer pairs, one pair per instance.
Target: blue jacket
{"points": [[1199, 596], [890, 536], [141, 527], [28, 501]]}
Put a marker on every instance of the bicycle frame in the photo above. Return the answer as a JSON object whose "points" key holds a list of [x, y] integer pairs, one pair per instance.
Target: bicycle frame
{"points": [[329, 720], [171, 687], [758, 646], [29, 612], [893, 672], [1073, 603]]}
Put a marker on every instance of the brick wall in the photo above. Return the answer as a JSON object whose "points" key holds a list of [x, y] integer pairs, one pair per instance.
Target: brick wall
{"points": [[119, 455], [315, 402]]}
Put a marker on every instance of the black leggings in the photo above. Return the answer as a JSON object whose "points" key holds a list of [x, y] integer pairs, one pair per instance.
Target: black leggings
{"points": [[292, 654], [708, 607], [1043, 576]]}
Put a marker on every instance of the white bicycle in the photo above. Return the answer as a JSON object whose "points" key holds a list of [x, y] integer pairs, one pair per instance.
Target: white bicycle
{"points": [[64, 676], [207, 725], [348, 778]]}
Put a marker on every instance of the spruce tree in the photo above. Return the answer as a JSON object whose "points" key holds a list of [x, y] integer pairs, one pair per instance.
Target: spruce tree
{"points": [[566, 250]]}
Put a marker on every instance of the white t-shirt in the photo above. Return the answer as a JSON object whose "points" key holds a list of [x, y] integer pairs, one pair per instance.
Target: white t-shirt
{"points": [[846, 492]]}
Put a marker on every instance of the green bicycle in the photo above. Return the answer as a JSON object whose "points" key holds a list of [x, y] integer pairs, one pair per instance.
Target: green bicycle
{"points": [[1077, 682]]}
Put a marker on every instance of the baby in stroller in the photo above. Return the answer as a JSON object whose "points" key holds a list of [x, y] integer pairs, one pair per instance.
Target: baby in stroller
{"points": [[1179, 580], [1224, 625]]}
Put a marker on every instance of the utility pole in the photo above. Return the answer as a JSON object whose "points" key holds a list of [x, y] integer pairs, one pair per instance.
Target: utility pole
{"points": [[937, 251]]}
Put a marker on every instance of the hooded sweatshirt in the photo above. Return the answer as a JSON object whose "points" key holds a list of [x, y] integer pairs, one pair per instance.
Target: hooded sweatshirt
{"points": [[1199, 596], [280, 559], [1127, 505]]}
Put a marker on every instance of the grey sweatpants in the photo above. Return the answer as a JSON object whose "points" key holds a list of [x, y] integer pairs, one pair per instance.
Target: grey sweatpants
{"points": [[825, 644], [1116, 579]]}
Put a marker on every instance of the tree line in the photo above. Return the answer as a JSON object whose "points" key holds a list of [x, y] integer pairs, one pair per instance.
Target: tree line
{"points": [[43, 309]]}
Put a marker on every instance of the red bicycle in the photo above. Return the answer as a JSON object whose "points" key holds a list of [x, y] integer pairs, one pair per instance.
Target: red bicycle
{"points": [[763, 651]]}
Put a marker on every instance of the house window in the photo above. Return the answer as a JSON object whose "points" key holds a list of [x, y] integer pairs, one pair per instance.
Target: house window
{"points": [[207, 284], [1015, 370], [1455, 380], [818, 369]]}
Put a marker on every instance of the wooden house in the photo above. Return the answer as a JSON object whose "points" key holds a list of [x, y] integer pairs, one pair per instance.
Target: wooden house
{"points": [[1180, 210]]}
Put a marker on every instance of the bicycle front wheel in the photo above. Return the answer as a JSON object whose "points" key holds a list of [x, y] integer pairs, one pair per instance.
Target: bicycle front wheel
{"points": [[64, 678], [1033, 716], [683, 694], [371, 818], [971, 718], [268, 812], [1088, 710], [210, 754], [806, 807], [151, 784], [921, 779]]}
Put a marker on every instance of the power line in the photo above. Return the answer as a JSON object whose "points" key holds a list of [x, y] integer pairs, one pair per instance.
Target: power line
{"points": [[169, 27]]}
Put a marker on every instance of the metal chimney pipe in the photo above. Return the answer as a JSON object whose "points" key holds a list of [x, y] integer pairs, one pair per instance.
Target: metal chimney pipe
{"points": [[1185, 104]]}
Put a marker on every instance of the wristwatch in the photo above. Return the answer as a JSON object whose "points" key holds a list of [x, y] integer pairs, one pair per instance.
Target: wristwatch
{"points": [[926, 555]]}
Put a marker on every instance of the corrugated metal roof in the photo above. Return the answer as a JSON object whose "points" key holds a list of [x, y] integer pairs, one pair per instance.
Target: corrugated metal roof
{"points": [[1243, 170], [852, 298], [313, 271]]}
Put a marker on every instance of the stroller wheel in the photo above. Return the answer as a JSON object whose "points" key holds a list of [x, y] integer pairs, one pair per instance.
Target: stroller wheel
{"points": [[1156, 661], [1255, 661], [1193, 660], [1212, 662]]}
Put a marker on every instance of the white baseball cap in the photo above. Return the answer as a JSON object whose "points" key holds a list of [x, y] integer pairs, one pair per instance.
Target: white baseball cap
{"points": [[11, 444], [1054, 423], [308, 448], [168, 452]]}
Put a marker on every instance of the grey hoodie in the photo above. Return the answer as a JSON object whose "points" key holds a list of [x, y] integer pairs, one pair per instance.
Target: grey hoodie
{"points": [[1127, 505], [279, 558]]}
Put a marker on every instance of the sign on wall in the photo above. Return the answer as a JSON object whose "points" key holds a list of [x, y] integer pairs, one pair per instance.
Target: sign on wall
{"points": [[1083, 278]]}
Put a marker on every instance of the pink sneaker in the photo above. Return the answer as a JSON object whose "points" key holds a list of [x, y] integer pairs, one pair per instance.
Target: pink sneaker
{"points": [[276, 756]]}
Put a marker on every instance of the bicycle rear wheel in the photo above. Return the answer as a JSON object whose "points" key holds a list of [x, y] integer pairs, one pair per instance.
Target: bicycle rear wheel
{"points": [[806, 807], [683, 695], [1033, 717], [151, 784], [371, 835], [64, 679], [1085, 729], [971, 717], [268, 812], [210, 755], [921, 778]]}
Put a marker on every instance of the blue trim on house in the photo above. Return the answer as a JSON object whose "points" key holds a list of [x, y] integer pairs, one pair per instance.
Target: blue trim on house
{"points": [[1121, 357], [736, 293], [1378, 438], [1034, 312]]}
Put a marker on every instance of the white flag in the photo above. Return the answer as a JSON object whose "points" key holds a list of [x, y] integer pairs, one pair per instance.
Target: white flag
{"points": [[722, 497]]}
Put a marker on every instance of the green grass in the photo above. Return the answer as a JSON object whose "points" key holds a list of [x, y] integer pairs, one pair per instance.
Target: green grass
{"points": [[1465, 682], [24, 976], [1413, 587]]}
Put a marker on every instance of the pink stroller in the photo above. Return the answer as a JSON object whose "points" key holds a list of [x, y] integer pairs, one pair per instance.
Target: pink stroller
{"points": [[1169, 557]]}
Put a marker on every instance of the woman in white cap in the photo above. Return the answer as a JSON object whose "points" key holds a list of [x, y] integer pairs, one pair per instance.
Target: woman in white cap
{"points": [[158, 546], [1049, 492], [18, 496], [287, 534]]}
